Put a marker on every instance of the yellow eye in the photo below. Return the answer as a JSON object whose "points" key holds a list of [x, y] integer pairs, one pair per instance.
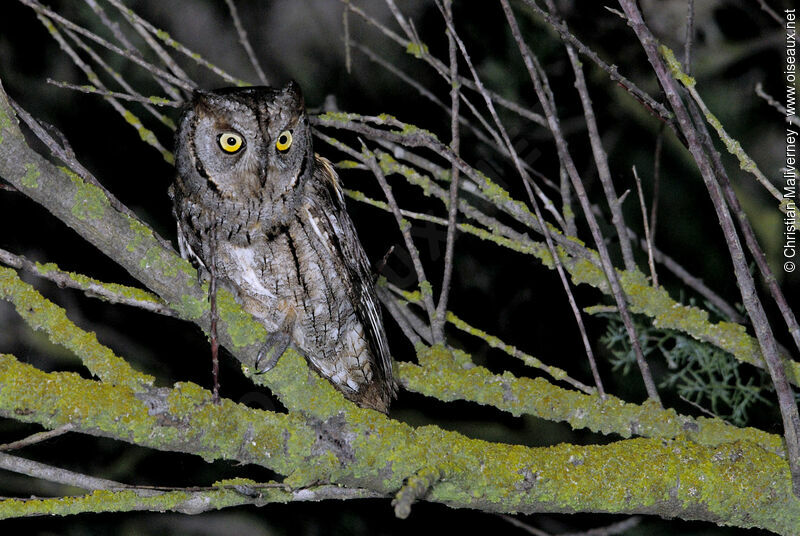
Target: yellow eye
{"points": [[284, 141], [230, 142]]}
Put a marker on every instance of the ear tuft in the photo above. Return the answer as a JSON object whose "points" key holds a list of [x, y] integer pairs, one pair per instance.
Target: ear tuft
{"points": [[293, 89]]}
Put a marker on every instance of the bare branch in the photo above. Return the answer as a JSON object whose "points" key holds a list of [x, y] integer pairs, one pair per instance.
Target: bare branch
{"points": [[647, 237], [452, 208], [143, 27], [155, 71], [687, 45], [243, 39], [601, 161], [368, 157], [37, 438], [769, 11], [790, 118], [577, 184], [158, 101], [120, 36], [652, 105]]}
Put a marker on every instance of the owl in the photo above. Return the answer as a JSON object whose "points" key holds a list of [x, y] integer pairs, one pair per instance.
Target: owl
{"points": [[253, 201]]}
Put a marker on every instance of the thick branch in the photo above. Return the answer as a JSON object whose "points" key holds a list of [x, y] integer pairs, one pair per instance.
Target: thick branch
{"points": [[691, 481]]}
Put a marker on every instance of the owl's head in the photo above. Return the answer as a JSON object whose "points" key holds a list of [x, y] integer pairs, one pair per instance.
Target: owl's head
{"points": [[245, 144]]}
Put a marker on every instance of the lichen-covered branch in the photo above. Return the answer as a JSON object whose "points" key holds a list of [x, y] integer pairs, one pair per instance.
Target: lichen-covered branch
{"points": [[41, 314], [581, 262], [440, 377], [692, 481], [111, 292]]}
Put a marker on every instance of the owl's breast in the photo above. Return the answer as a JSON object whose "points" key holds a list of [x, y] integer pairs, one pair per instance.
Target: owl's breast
{"points": [[290, 281]]}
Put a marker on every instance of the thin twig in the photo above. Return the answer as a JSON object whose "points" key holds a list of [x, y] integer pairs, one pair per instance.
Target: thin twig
{"points": [[566, 202], [524, 526], [421, 138], [243, 39], [154, 45], [577, 184], [110, 292], [452, 208], [749, 235], [115, 30], [346, 30], [656, 183], [155, 71], [124, 84], [37, 437], [741, 216], [556, 373], [790, 118], [534, 203], [733, 146], [489, 140], [158, 101], [655, 107], [138, 22], [56, 474], [687, 46], [619, 527], [368, 157], [414, 321], [399, 313], [146, 134], [683, 274], [769, 11], [441, 68], [601, 161], [647, 236]]}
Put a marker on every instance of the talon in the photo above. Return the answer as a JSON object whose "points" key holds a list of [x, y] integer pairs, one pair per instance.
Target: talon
{"points": [[273, 349]]}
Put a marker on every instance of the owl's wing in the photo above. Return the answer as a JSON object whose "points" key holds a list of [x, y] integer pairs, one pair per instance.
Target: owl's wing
{"points": [[336, 230], [184, 242]]}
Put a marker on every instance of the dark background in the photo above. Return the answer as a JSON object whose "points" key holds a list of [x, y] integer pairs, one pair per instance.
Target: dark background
{"points": [[505, 294]]}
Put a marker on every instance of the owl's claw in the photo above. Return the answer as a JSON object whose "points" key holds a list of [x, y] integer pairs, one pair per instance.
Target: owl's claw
{"points": [[273, 349]]}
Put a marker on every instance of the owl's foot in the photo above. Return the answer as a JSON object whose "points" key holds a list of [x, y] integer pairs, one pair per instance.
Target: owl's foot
{"points": [[273, 349]]}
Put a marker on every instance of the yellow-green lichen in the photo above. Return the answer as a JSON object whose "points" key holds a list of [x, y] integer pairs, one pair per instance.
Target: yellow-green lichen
{"points": [[6, 123], [87, 283], [426, 288], [31, 177], [192, 308], [41, 314], [156, 258], [241, 326], [417, 49], [337, 117], [58, 398], [738, 483], [89, 201], [495, 342], [390, 165], [348, 164], [147, 136], [440, 376], [141, 233], [675, 67]]}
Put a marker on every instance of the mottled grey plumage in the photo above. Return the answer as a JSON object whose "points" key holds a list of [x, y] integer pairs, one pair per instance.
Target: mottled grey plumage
{"points": [[251, 191]]}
